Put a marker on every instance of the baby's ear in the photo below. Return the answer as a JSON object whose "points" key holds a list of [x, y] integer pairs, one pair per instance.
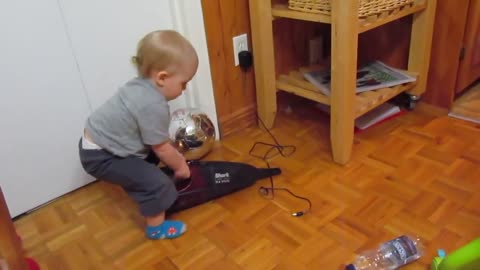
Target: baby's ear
{"points": [[160, 77]]}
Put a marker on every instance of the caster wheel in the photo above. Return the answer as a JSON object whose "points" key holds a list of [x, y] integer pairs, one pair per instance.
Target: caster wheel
{"points": [[411, 105], [412, 102]]}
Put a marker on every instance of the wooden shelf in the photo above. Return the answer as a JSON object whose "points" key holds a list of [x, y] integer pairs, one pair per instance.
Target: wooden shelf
{"points": [[364, 102], [364, 24], [282, 11], [295, 84], [346, 27], [369, 100]]}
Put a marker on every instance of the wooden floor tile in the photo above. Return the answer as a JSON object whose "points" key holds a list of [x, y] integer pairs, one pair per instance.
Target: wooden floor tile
{"points": [[417, 174]]}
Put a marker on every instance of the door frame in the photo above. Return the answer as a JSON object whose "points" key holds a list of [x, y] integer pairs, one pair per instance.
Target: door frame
{"points": [[188, 20]]}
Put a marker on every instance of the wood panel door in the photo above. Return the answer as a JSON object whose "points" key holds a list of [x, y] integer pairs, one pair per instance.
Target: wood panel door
{"points": [[469, 69], [448, 35]]}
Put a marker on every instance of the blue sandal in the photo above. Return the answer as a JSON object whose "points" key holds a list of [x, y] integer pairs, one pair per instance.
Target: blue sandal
{"points": [[169, 229]]}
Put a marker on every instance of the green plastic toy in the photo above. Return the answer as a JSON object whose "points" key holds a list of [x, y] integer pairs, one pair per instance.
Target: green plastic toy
{"points": [[464, 258]]}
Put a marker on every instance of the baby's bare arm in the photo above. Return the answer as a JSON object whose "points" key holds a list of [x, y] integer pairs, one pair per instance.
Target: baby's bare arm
{"points": [[173, 159]]}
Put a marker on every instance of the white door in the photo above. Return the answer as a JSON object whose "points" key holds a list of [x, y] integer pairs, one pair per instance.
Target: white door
{"points": [[104, 37], [42, 106], [105, 34]]}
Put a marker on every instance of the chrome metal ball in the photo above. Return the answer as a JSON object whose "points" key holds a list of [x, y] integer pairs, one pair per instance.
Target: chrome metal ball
{"points": [[192, 132]]}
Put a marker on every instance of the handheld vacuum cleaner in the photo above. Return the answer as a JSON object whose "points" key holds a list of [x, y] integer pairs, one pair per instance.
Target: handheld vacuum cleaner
{"points": [[213, 179]]}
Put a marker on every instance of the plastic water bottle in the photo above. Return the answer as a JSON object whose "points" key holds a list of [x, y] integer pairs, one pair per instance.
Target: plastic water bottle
{"points": [[390, 255]]}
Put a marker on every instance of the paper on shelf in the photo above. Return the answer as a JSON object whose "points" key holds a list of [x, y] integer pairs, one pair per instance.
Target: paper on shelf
{"points": [[375, 75]]}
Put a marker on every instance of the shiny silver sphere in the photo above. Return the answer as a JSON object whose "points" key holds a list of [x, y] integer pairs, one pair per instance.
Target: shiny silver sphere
{"points": [[192, 133]]}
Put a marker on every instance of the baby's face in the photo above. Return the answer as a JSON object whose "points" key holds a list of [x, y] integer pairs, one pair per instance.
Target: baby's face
{"points": [[176, 82]]}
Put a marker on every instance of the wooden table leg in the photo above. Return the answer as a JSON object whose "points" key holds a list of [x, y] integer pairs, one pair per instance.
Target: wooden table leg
{"points": [[421, 45], [264, 61], [344, 70], [10, 246]]}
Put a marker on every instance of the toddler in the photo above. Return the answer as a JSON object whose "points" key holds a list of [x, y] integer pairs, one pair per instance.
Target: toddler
{"points": [[121, 136]]}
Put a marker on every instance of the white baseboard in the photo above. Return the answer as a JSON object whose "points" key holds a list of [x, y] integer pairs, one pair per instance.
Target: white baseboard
{"points": [[474, 120]]}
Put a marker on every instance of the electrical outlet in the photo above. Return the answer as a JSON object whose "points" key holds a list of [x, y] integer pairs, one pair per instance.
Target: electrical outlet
{"points": [[240, 43]]}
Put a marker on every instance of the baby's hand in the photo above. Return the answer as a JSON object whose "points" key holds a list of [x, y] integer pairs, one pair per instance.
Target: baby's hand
{"points": [[183, 172]]}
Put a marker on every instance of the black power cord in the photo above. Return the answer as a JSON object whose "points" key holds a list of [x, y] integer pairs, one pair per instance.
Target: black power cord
{"points": [[245, 59], [277, 149]]}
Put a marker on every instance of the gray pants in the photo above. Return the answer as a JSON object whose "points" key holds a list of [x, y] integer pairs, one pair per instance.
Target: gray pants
{"points": [[141, 179]]}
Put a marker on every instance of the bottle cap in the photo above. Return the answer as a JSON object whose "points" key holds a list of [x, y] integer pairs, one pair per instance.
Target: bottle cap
{"points": [[350, 267], [442, 253]]}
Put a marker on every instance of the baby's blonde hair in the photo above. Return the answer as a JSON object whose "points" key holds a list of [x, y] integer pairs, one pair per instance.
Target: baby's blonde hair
{"points": [[162, 50]]}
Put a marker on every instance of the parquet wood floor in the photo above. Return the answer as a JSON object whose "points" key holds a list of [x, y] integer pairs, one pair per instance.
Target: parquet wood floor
{"points": [[416, 174]]}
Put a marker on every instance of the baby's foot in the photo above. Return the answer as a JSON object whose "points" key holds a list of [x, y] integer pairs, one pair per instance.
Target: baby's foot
{"points": [[169, 229]]}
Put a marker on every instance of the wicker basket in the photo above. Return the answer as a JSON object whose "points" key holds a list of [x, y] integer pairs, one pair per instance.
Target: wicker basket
{"points": [[367, 7]]}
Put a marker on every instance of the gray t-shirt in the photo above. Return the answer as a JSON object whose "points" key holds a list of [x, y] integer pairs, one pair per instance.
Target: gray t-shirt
{"points": [[132, 120]]}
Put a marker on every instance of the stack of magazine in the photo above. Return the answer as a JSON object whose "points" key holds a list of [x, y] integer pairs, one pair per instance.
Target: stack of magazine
{"points": [[382, 113], [372, 76]]}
